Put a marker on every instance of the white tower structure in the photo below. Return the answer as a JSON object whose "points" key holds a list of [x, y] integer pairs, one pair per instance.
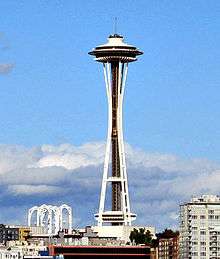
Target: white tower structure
{"points": [[51, 218], [115, 56], [200, 228]]}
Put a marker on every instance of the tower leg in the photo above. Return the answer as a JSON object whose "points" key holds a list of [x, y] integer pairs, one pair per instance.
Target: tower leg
{"points": [[107, 76]]}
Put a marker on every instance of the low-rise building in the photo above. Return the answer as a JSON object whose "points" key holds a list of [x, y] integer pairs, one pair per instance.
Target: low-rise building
{"points": [[168, 244], [120, 233], [12, 253], [24, 233], [168, 248], [13, 233], [8, 233]]}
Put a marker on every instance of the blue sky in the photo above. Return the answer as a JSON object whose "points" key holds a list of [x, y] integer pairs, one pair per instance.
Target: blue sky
{"points": [[55, 92]]}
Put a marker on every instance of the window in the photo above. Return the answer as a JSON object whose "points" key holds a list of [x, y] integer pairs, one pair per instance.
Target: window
{"points": [[194, 228]]}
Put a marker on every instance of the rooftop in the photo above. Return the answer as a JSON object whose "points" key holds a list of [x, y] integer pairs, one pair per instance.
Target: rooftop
{"points": [[206, 199]]}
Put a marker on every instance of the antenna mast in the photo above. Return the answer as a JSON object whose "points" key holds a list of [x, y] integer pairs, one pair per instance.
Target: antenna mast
{"points": [[115, 25]]}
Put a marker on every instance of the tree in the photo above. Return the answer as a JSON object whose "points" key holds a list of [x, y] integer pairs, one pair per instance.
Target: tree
{"points": [[141, 236], [167, 233]]}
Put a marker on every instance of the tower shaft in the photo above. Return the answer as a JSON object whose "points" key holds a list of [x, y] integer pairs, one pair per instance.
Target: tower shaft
{"points": [[116, 186]]}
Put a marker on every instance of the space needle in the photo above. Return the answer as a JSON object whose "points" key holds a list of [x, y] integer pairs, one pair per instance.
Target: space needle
{"points": [[115, 56]]}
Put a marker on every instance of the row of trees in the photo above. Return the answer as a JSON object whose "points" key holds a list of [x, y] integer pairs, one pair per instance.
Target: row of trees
{"points": [[141, 236]]}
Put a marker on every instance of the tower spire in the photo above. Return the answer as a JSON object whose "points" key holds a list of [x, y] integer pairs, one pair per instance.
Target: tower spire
{"points": [[115, 25], [115, 56]]}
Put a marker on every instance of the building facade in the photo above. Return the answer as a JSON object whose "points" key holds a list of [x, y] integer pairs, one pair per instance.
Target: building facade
{"points": [[200, 228], [110, 252], [13, 233], [120, 233], [14, 253], [24, 233], [168, 248], [8, 233]]}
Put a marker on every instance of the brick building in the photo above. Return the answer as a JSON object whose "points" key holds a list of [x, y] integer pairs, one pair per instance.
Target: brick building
{"points": [[168, 245]]}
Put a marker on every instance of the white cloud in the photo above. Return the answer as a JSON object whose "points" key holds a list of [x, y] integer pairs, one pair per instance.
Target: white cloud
{"points": [[168, 162], [16, 157], [24, 189], [71, 157], [67, 173]]}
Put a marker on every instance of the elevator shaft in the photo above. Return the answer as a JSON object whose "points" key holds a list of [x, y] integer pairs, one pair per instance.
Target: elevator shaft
{"points": [[116, 186]]}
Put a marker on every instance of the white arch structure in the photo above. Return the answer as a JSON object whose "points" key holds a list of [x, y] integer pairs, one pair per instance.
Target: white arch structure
{"points": [[51, 218]]}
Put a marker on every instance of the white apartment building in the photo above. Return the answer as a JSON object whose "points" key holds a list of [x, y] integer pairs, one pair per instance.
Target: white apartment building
{"points": [[14, 253], [200, 228]]}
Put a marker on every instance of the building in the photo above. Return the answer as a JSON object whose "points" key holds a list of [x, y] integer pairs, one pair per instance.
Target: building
{"points": [[18, 249], [115, 56], [200, 228], [167, 244], [13, 233], [168, 248], [120, 233], [100, 251], [8, 233], [24, 233], [27, 247], [14, 253]]}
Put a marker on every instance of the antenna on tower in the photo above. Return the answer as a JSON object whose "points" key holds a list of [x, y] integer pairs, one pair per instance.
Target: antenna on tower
{"points": [[115, 25]]}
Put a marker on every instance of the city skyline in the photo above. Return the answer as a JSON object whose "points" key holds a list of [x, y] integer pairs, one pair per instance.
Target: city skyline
{"points": [[54, 117]]}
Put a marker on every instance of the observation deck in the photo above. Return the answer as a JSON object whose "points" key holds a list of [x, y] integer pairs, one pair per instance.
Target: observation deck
{"points": [[115, 50]]}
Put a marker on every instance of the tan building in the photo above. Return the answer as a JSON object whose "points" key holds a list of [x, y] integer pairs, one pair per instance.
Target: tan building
{"points": [[24, 233], [168, 248], [154, 253]]}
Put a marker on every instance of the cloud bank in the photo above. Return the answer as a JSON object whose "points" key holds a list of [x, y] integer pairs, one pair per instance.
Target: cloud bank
{"points": [[72, 174]]}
